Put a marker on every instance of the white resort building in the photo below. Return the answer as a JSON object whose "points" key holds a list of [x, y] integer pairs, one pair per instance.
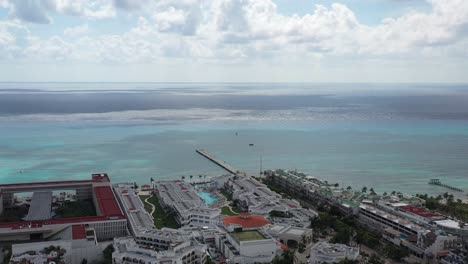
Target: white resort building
{"points": [[324, 252]]}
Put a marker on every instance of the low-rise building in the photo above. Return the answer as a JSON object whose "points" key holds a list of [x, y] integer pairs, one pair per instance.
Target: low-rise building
{"points": [[188, 208], [258, 199], [245, 241], [108, 223], [127, 250], [70, 246], [290, 236], [324, 252]]}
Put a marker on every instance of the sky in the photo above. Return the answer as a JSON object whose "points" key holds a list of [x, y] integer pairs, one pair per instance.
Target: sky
{"points": [[300, 41]]}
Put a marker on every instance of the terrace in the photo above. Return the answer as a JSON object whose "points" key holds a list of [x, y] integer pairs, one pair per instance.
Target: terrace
{"points": [[247, 235]]}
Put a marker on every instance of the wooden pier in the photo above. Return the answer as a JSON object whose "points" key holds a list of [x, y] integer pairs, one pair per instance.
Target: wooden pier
{"points": [[217, 161], [439, 183]]}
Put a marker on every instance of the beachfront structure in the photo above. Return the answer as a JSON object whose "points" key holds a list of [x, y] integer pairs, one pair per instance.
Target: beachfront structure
{"points": [[243, 240], [400, 218], [71, 245], [258, 199], [417, 237], [251, 246], [189, 251], [189, 208], [290, 235], [139, 220], [108, 223], [324, 252], [150, 245], [311, 188]]}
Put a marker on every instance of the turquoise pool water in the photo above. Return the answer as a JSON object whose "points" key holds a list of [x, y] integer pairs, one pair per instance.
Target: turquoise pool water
{"points": [[207, 197]]}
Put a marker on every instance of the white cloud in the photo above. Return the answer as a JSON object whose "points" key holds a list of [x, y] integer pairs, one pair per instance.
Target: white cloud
{"points": [[76, 31], [235, 31]]}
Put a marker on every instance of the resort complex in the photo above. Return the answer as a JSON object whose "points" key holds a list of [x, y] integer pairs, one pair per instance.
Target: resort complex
{"points": [[227, 219]]}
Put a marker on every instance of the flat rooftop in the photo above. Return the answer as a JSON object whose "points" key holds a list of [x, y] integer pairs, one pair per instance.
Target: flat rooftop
{"points": [[105, 199], [97, 177], [248, 235], [41, 206]]}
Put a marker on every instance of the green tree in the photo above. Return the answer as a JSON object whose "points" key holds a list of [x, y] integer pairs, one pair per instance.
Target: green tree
{"points": [[396, 253], [364, 189], [301, 247], [107, 253], [84, 261], [374, 259], [286, 258]]}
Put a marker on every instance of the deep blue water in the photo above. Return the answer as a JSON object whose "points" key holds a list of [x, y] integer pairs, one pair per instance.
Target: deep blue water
{"points": [[391, 138]]}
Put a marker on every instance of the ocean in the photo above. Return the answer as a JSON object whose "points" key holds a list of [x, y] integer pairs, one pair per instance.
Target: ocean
{"points": [[385, 136]]}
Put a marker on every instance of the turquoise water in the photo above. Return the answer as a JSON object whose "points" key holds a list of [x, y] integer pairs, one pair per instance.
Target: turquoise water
{"points": [[387, 155], [207, 197]]}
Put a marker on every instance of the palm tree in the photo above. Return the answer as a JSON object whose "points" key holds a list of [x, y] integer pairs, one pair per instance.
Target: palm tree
{"points": [[200, 176], [364, 189], [183, 177], [191, 177], [349, 188]]}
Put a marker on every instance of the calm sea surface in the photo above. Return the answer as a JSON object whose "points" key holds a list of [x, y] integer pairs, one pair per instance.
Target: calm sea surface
{"points": [[387, 137]]}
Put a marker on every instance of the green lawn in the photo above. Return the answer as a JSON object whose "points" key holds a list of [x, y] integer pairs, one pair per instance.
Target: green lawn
{"points": [[161, 218], [226, 211], [248, 235]]}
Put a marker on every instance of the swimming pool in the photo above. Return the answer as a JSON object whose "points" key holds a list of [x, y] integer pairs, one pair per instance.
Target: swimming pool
{"points": [[207, 197]]}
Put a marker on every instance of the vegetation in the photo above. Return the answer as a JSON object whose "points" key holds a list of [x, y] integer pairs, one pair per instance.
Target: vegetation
{"points": [[374, 259], [347, 261], [76, 209], [395, 253], [301, 247], [454, 208], [147, 206], [161, 217], [6, 253], [14, 214], [286, 258], [227, 195], [107, 255], [225, 210]]}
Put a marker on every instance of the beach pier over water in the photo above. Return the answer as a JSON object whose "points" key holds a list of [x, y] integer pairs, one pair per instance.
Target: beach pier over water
{"points": [[217, 161], [439, 183]]}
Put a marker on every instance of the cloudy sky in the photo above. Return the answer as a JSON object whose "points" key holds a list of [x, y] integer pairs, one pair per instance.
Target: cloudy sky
{"points": [[234, 40]]}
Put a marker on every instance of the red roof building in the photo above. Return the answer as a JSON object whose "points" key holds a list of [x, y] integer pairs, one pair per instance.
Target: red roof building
{"points": [[106, 202], [418, 211], [78, 232], [246, 220]]}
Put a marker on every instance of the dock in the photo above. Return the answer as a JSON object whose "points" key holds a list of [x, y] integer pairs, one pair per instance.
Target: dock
{"points": [[439, 183], [217, 161]]}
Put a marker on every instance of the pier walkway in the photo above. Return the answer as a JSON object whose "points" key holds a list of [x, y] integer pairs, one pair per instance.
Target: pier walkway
{"points": [[217, 161], [439, 183]]}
